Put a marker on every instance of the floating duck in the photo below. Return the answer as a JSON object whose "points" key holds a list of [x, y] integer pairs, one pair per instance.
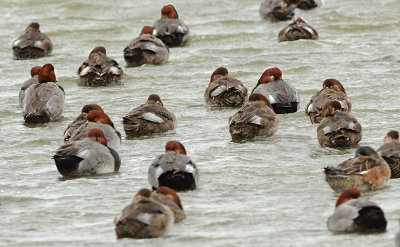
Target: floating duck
{"points": [[44, 102], [390, 152], [169, 198], [32, 44], [276, 10], [224, 90], [99, 69], [367, 171], [149, 118], [355, 214], [331, 90], [296, 30], [32, 81], [173, 169]]}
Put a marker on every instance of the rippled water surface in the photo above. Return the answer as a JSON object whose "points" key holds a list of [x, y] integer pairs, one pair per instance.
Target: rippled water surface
{"points": [[266, 192]]}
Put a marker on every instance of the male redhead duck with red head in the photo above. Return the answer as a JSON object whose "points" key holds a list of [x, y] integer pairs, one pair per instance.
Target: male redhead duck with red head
{"points": [[367, 171], [338, 129], [44, 102], [224, 90], [32, 44], [149, 118], [282, 96], [276, 10], [332, 89], [32, 81], [146, 49], [390, 151], [90, 156], [296, 30], [254, 118], [98, 119], [173, 169], [355, 214], [99, 69], [170, 29]]}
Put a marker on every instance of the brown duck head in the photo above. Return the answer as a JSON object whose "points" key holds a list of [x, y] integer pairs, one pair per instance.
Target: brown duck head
{"points": [[259, 98], [331, 108], [35, 70], [96, 116], [221, 72], [333, 84], [146, 30], [169, 11], [97, 135], [155, 100], [33, 26], [391, 136], [47, 74], [142, 193], [270, 75], [348, 195], [91, 107], [170, 194], [97, 50], [175, 146]]}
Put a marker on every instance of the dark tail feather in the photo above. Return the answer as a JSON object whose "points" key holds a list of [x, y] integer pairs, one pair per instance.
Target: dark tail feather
{"points": [[179, 181], [37, 118], [67, 165], [370, 219]]}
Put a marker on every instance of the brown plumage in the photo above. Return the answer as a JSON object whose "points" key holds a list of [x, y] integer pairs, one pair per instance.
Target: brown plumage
{"points": [[367, 171], [224, 90], [302, 4], [276, 10], [296, 30], [255, 118], [331, 90], [170, 198], [32, 44], [390, 151], [149, 118], [99, 69], [338, 129]]}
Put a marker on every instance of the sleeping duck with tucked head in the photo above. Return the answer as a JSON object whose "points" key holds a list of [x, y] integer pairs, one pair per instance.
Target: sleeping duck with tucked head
{"points": [[390, 151]]}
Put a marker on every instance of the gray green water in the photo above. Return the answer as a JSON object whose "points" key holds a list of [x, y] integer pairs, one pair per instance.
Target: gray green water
{"points": [[266, 192]]}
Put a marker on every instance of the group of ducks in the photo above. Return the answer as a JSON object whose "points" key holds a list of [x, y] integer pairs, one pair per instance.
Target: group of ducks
{"points": [[92, 142]]}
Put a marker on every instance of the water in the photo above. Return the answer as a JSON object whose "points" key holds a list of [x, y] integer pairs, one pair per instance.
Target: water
{"points": [[266, 192]]}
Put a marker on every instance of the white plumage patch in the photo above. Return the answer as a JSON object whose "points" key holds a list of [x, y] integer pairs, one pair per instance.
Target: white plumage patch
{"points": [[38, 43], [181, 29], [149, 116], [144, 218], [85, 71], [308, 29], [327, 130], [84, 154], [16, 42], [218, 91], [309, 109], [351, 126], [114, 70], [271, 99], [240, 88], [154, 32], [255, 120], [189, 169], [159, 171]]}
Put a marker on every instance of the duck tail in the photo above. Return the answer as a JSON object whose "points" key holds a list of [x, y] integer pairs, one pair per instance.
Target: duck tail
{"points": [[37, 117]]}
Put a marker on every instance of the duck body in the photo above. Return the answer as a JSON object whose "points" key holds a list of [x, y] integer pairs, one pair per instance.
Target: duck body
{"points": [[174, 170], [32, 44], [173, 32], [146, 49], [169, 198], [296, 30], [276, 10], [390, 152], [225, 92], [25, 86], [367, 171], [86, 157]]}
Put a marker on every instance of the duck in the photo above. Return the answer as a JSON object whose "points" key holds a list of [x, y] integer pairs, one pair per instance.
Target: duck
{"points": [[90, 156], [302, 4], [390, 152], [32, 44], [146, 49], [32, 81], [169, 198], [254, 118], [367, 171], [276, 10], [282, 96], [332, 89], [173, 169], [144, 217], [100, 120], [355, 214], [80, 120], [338, 129], [149, 118], [99, 69], [170, 29], [298, 29], [44, 102], [224, 90]]}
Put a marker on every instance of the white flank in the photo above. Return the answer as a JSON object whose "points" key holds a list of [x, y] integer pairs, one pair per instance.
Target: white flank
{"points": [[181, 29], [84, 154], [152, 117], [327, 130], [144, 218], [218, 91], [15, 43], [154, 32], [38, 43], [309, 109], [351, 126], [114, 70], [85, 71], [159, 171], [308, 30], [189, 169], [271, 99], [256, 120]]}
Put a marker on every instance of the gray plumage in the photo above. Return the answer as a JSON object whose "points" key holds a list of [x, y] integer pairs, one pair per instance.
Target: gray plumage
{"points": [[225, 92], [173, 32], [72, 127], [278, 92], [146, 49], [25, 86]]}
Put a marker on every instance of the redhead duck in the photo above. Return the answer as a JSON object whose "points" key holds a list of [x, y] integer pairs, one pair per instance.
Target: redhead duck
{"points": [[44, 102], [169, 198], [332, 89], [338, 129], [296, 30], [99, 69], [282, 96], [390, 151], [170, 29], [355, 214], [100, 120], [149, 118], [276, 10], [32, 81], [255, 118], [146, 49], [302, 4], [367, 171], [173, 169], [224, 90], [89, 156], [143, 218], [32, 44], [80, 120]]}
